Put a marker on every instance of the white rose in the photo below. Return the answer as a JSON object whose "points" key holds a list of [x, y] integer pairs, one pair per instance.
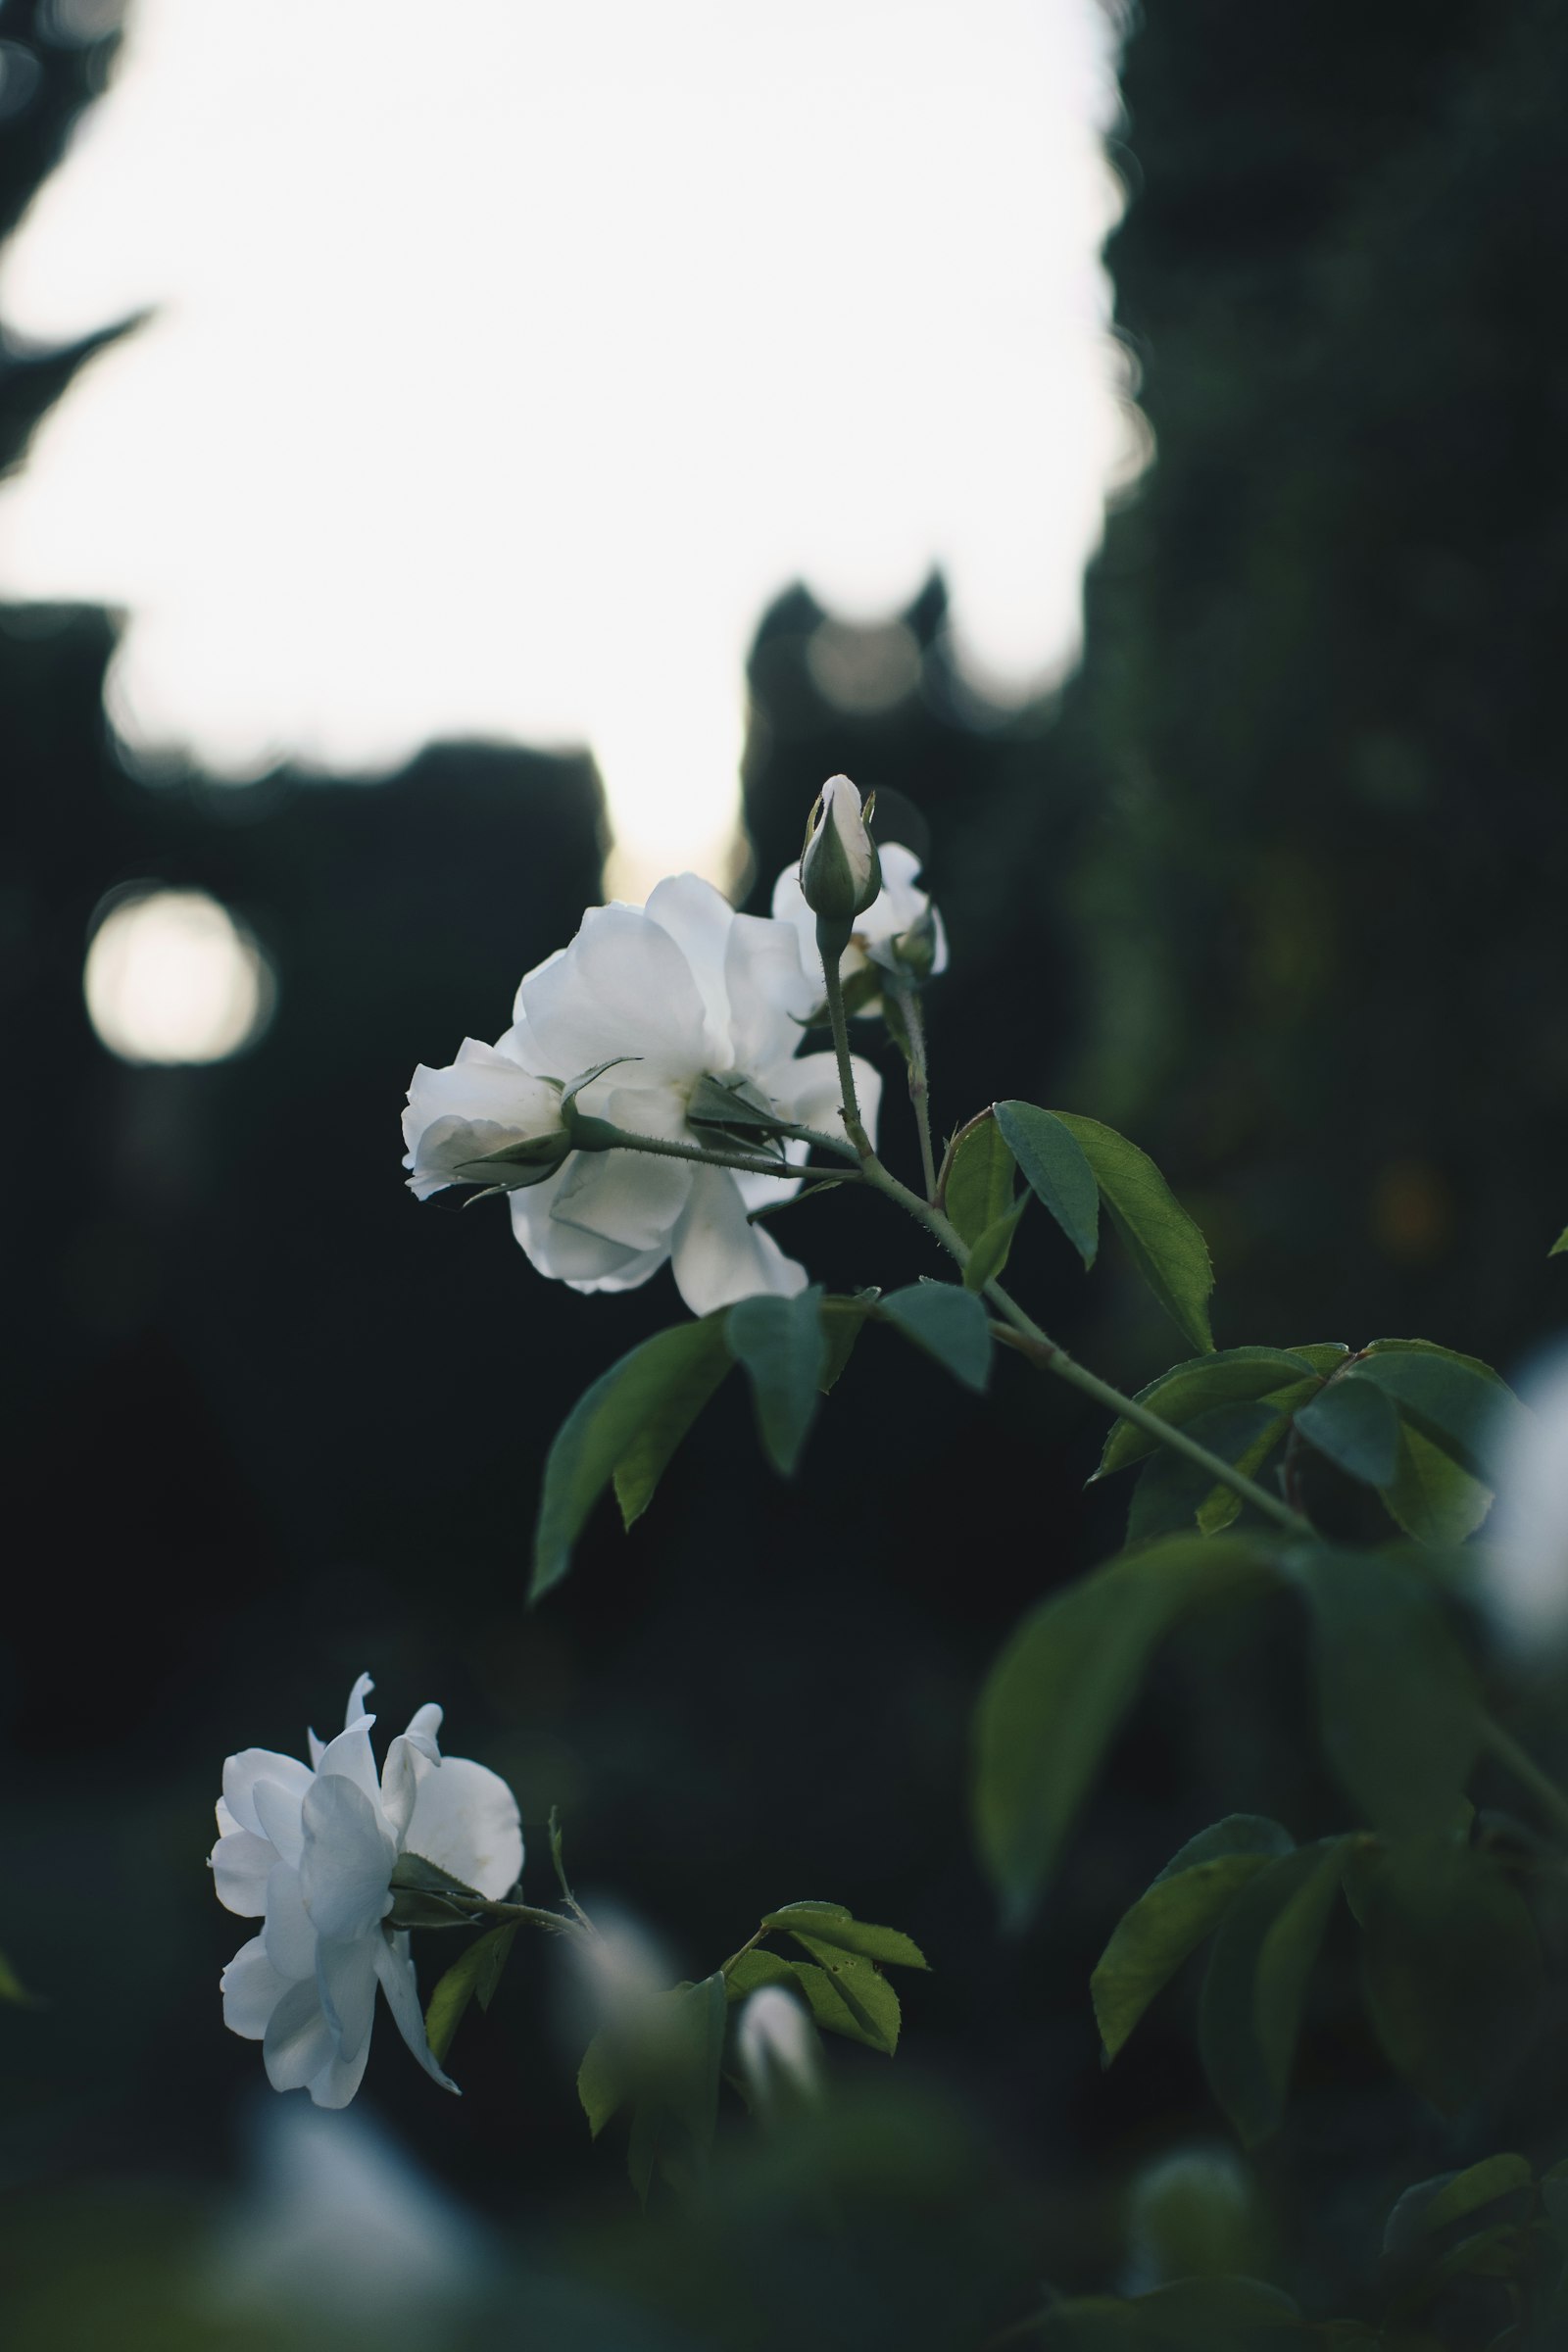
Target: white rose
{"points": [[903, 913], [310, 1848], [677, 991]]}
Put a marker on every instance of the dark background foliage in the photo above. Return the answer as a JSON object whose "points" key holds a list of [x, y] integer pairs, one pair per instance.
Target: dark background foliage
{"points": [[1276, 885]]}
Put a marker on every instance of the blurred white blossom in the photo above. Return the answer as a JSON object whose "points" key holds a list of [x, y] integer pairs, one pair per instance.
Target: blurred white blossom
{"points": [[337, 2234], [900, 930], [778, 2049], [674, 993], [310, 1849], [1526, 1556]]}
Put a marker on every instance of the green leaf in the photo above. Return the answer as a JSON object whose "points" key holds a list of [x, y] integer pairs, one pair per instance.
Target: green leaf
{"points": [[1180, 1908], [830, 1922], [1172, 1491], [1162, 1239], [950, 1323], [854, 1997], [1451, 1968], [1437, 2204], [979, 1181], [604, 1426], [601, 2081], [1431, 1497], [473, 1976], [1457, 1401], [1056, 1696], [990, 1251], [427, 1896], [1190, 2315], [874, 2018], [1256, 1983], [1229, 1376], [672, 2070], [1559, 1244], [1057, 1167], [781, 1343], [691, 1386], [1396, 1699], [1355, 1423], [842, 1321]]}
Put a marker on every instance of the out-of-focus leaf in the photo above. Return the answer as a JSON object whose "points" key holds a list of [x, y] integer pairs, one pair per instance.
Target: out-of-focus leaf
{"points": [[950, 1323], [473, 1976], [781, 1346], [1431, 1497], [1452, 1969], [673, 2061], [1057, 1169], [601, 2081], [830, 1922], [1172, 1918], [1437, 2204], [1230, 1376], [12, 1989], [979, 1182], [602, 1428], [1172, 1491], [1396, 1699], [1256, 1982], [1190, 2315], [1056, 1696], [1162, 1239], [1458, 1401], [1559, 1244], [1355, 1424]]}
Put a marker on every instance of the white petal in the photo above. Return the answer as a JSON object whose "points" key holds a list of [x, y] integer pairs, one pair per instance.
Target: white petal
{"points": [[347, 1864], [396, 1972], [770, 993], [410, 1753], [316, 1748], [583, 1259], [353, 1712], [349, 1758], [632, 1198], [621, 987], [697, 918], [242, 1772], [252, 1989], [278, 1809], [288, 1934], [345, 1978], [225, 1819], [240, 1867], [718, 1257], [465, 1821], [339, 2080], [298, 2042]]}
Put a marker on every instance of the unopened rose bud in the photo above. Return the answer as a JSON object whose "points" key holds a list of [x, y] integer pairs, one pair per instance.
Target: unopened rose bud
{"points": [[482, 1120], [912, 952], [780, 2056], [841, 874]]}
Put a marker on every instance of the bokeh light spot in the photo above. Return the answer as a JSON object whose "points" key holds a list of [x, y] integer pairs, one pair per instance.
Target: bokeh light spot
{"points": [[171, 977]]}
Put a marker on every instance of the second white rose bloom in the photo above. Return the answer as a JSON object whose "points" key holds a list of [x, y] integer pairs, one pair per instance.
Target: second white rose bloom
{"points": [[310, 1850], [674, 993]]}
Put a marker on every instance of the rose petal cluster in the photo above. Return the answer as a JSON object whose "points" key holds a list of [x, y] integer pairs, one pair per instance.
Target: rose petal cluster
{"points": [[678, 992], [310, 1849], [901, 932]]}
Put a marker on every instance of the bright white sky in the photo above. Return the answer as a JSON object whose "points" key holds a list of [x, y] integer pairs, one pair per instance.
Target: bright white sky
{"points": [[512, 354]]}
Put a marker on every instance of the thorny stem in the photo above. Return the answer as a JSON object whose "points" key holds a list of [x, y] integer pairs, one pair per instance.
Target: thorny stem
{"points": [[908, 1000], [1508, 1752], [666, 1148], [827, 940]]}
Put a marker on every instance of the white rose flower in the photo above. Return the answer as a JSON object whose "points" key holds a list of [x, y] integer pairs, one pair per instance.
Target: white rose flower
{"points": [[903, 913], [680, 990], [310, 1849]]}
